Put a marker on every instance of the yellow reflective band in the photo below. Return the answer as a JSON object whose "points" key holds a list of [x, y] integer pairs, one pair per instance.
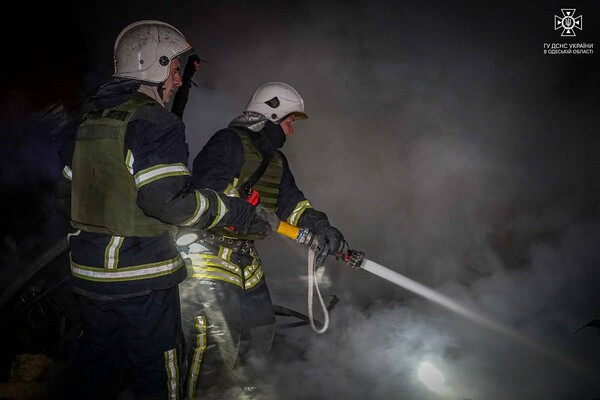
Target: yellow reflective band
{"points": [[194, 371], [201, 207], [249, 270], [252, 274], [225, 253], [137, 272], [200, 260], [221, 211], [111, 254], [254, 280], [298, 210], [212, 267], [160, 171], [217, 274], [230, 190], [172, 373]]}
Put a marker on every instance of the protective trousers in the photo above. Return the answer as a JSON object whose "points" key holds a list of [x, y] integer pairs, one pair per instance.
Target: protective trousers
{"points": [[145, 328], [228, 329]]}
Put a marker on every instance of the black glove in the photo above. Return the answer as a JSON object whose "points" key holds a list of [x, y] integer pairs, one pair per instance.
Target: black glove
{"points": [[331, 241], [270, 217], [259, 225], [240, 212], [331, 237], [243, 217]]}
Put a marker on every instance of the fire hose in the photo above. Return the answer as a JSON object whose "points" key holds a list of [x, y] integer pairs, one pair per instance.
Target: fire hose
{"points": [[352, 258], [356, 260]]}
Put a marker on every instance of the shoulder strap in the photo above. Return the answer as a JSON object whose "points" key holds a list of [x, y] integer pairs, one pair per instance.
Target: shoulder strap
{"points": [[246, 187]]}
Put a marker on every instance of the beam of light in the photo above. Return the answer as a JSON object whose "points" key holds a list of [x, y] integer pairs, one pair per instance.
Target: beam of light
{"points": [[448, 303], [432, 377]]}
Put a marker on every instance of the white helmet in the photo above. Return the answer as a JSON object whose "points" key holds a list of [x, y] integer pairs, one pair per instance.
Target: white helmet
{"points": [[144, 49], [276, 100]]}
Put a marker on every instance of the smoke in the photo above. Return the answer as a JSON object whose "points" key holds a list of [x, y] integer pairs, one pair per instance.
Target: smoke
{"points": [[447, 147], [452, 153]]}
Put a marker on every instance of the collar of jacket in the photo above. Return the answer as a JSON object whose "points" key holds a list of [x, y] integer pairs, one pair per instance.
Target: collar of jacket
{"points": [[249, 120], [256, 122], [112, 94], [152, 92]]}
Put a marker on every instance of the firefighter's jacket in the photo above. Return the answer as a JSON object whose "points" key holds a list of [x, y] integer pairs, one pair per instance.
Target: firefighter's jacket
{"points": [[230, 156], [233, 154], [125, 185]]}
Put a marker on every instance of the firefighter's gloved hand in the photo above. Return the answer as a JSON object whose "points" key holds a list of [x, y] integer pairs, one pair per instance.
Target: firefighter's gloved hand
{"points": [[342, 251], [330, 240], [240, 214], [270, 217], [242, 217], [332, 237], [259, 225]]}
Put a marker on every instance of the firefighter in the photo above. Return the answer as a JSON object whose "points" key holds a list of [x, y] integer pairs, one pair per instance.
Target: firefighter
{"points": [[227, 313], [125, 187]]}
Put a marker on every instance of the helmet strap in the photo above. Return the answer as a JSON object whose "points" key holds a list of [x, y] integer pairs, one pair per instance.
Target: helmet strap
{"points": [[161, 89]]}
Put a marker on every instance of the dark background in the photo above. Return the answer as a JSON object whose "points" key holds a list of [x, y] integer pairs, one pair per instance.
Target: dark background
{"points": [[440, 140]]}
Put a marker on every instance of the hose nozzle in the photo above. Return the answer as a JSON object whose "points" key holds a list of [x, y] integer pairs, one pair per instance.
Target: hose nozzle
{"points": [[352, 258]]}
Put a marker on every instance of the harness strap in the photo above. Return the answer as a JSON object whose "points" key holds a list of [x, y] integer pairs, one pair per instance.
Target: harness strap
{"points": [[239, 246]]}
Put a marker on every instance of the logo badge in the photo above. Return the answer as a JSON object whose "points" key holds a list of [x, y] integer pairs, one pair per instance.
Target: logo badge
{"points": [[568, 22]]}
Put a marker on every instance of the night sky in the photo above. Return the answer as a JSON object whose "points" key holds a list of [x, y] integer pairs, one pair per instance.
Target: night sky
{"points": [[441, 141]]}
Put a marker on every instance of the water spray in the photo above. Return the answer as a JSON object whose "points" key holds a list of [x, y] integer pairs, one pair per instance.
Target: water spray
{"points": [[356, 260]]}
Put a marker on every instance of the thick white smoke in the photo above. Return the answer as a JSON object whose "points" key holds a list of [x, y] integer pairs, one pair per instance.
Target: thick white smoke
{"points": [[447, 153]]}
